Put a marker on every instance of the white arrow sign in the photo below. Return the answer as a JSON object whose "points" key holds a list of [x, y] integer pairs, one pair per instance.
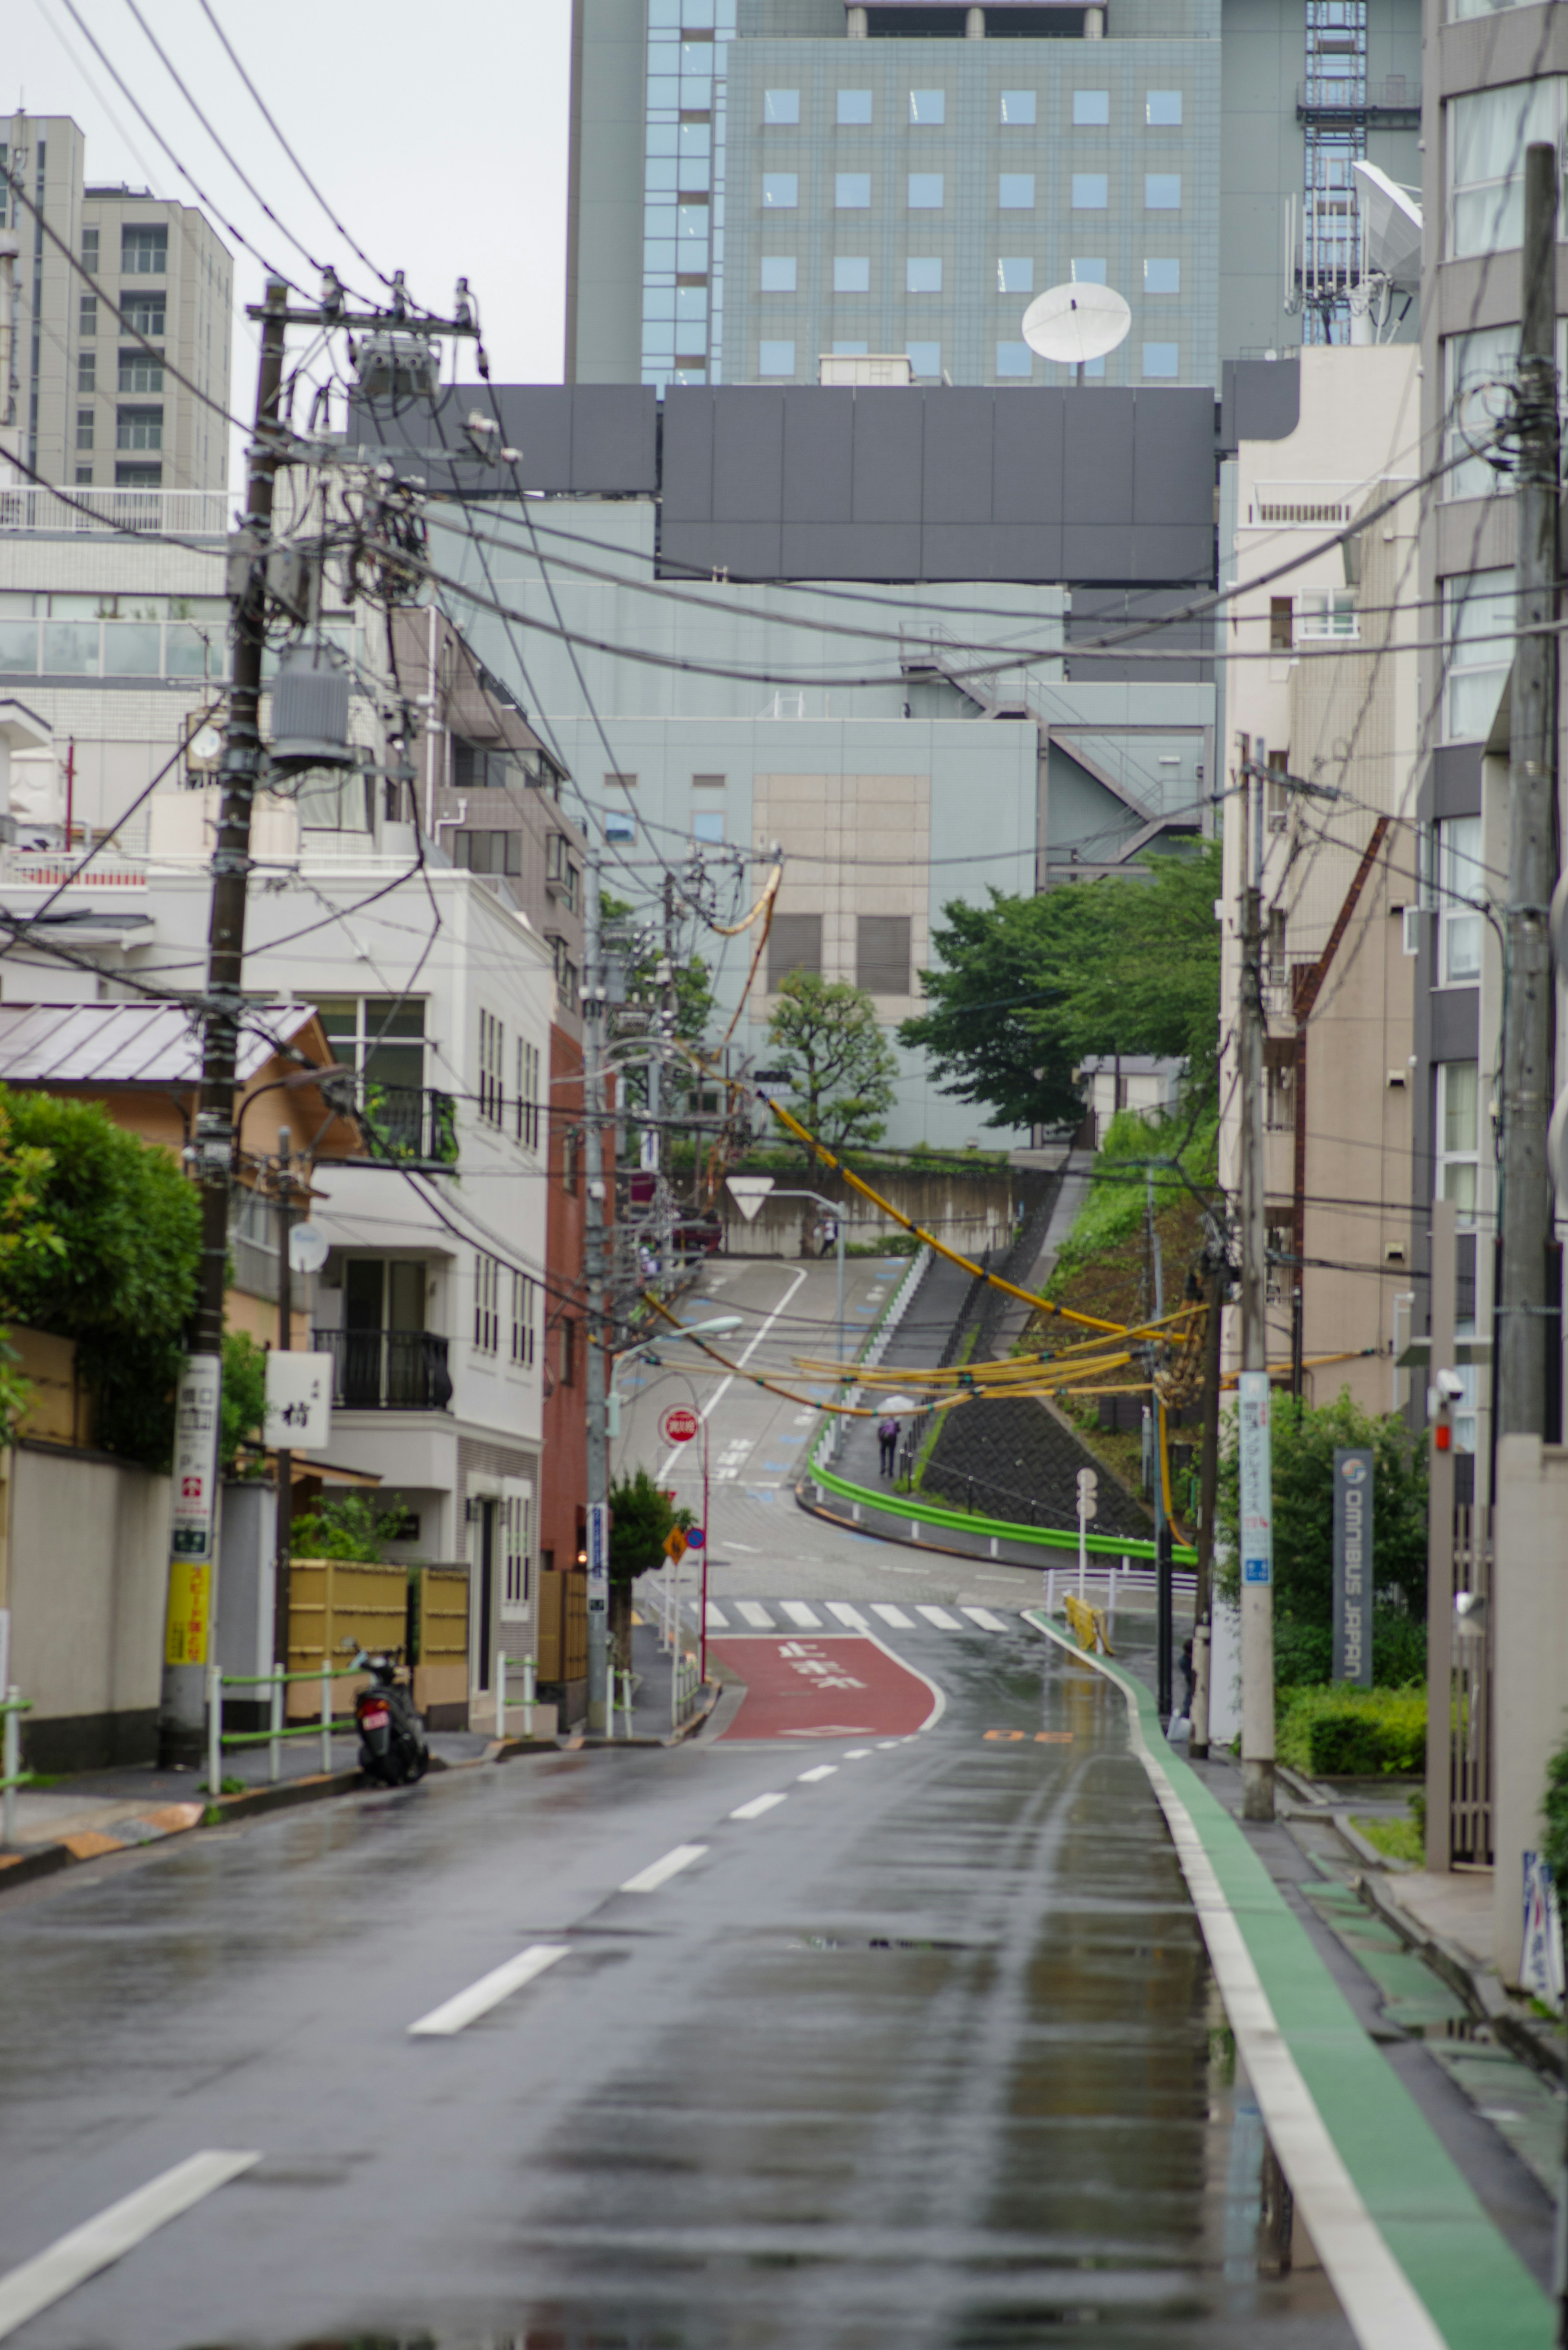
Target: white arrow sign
{"points": [[748, 1192]]}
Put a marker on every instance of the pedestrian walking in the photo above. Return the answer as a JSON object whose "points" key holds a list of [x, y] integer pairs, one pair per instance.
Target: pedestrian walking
{"points": [[887, 1438]]}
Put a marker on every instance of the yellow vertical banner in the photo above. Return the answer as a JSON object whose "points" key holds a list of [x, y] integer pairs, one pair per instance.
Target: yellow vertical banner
{"points": [[189, 1600]]}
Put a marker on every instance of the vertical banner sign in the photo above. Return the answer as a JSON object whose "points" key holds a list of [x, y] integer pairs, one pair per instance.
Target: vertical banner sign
{"points": [[599, 1559], [1257, 1481], [195, 1510], [1353, 1473]]}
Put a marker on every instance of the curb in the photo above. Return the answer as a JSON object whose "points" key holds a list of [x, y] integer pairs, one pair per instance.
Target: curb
{"points": [[1410, 2250], [1538, 2044]]}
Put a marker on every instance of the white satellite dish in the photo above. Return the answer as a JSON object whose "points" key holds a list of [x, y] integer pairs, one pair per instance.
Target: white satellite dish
{"points": [[1393, 225], [308, 1248], [1073, 323]]}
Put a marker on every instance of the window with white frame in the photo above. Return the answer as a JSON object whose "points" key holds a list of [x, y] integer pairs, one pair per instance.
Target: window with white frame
{"points": [[492, 1063], [1478, 630], [486, 1304], [516, 1516], [1456, 859], [1327, 612], [524, 1317], [1488, 133], [1458, 1153], [527, 1093]]}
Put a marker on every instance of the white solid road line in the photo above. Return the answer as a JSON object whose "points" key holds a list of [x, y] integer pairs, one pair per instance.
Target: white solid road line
{"points": [[847, 1614], [73, 2259], [891, 1615], [985, 1619], [660, 1872], [490, 1990], [799, 1613], [725, 1385], [938, 1616], [717, 1619], [757, 1807], [823, 1770]]}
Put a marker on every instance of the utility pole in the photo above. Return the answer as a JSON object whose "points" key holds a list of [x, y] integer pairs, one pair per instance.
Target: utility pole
{"points": [[284, 1530], [1208, 1492], [192, 1611], [1164, 1633], [1256, 1475], [597, 1331], [1525, 1190]]}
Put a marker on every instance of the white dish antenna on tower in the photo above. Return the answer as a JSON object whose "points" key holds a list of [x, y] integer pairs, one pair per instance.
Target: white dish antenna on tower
{"points": [[1076, 322], [1393, 221]]}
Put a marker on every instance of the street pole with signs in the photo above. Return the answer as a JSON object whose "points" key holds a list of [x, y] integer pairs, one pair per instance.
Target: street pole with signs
{"points": [[193, 1562], [1088, 1505]]}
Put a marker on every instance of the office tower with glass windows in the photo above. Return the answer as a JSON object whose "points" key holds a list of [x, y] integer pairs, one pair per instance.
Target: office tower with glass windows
{"points": [[93, 405], [758, 184]]}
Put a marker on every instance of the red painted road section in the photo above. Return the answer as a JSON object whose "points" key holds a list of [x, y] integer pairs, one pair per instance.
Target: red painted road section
{"points": [[829, 1686]]}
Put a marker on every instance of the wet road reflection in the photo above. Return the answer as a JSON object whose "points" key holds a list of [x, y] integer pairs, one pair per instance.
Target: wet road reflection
{"points": [[927, 2058]]}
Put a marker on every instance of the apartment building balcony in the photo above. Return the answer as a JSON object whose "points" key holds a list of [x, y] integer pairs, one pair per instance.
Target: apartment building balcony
{"points": [[406, 1126], [387, 1370]]}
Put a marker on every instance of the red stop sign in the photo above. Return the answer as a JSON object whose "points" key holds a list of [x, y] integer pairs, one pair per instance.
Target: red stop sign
{"points": [[678, 1426]]}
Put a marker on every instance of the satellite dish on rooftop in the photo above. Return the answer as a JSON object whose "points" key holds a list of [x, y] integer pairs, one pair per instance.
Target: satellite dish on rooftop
{"points": [[1393, 220], [1076, 322]]}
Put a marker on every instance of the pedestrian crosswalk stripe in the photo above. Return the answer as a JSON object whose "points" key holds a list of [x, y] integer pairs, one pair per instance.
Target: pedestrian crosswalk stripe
{"points": [[753, 1612], [847, 1615], [985, 1619], [717, 1619], [891, 1615], [837, 1615], [938, 1616], [799, 1613]]}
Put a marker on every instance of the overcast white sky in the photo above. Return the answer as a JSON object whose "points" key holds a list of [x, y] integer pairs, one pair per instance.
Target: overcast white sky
{"points": [[438, 135]]}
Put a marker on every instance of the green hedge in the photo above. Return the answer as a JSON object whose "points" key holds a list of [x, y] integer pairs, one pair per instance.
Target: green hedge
{"points": [[1351, 1732]]}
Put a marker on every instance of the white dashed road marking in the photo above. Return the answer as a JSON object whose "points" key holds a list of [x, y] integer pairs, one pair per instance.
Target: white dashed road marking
{"points": [[490, 1990], [756, 1807], [660, 1872]]}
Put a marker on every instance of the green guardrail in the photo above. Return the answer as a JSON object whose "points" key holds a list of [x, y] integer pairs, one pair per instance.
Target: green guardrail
{"points": [[931, 1513]]}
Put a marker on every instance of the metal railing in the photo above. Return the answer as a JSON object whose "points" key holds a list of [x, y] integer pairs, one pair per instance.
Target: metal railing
{"points": [[526, 1666], [53, 870], [407, 1125], [12, 1707], [271, 1738], [194, 514], [387, 1370]]}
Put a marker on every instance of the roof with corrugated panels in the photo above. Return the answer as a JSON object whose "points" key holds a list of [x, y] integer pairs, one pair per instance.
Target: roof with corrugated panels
{"points": [[128, 1044]]}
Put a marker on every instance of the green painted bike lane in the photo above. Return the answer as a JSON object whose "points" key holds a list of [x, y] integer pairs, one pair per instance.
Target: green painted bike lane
{"points": [[1470, 2283]]}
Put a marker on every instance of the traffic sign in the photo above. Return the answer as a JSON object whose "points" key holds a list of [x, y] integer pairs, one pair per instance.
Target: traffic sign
{"points": [[674, 1546], [1088, 1493], [695, 1537], [679, 1425], [748, 1192]]}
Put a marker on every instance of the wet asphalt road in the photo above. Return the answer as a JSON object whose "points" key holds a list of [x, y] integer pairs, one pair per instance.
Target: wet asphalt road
{"points": [[926, 2054]]}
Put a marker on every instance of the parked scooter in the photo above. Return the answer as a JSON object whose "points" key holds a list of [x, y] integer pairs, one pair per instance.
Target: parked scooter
{"points": [[393, 1747]]}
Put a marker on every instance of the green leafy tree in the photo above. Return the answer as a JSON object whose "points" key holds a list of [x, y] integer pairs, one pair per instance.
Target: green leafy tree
{"points": [[1027, 988], [105, 1235], [347, 1527], [840, 1069], [243, 1408], [642, 1516], [1302, 1448]]}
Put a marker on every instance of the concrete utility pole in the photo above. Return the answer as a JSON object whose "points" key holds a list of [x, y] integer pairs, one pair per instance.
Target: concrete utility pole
{"points": [[1208, 1490], [596, 1333], [193, 1594], [1441, 1554], [1256, 1476], [284, 1536], [1526, 1192]]}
